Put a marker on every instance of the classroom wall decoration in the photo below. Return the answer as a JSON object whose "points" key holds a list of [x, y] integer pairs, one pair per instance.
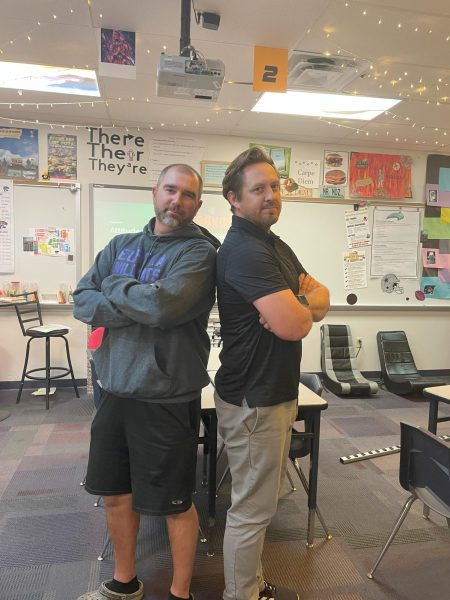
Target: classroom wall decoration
{"points": [[380, 175], [62, 156], [435, 280], [281, 156], [6, 227], [117, 53], [19, 153]]}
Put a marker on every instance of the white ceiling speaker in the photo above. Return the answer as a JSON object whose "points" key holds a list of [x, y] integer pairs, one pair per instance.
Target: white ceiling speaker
{"points": [[311, 71]]}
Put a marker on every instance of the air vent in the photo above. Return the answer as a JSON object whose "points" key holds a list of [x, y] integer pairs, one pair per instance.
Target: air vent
{"points": [[317, 72]]}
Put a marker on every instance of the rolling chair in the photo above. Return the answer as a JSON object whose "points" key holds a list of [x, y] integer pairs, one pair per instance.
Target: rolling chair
{"points": [[425, 473], [338, 363], [30, 312], [398, 369]]}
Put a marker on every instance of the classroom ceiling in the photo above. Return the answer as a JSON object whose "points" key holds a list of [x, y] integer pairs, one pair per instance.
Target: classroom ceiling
{"points": [[407, 43]]}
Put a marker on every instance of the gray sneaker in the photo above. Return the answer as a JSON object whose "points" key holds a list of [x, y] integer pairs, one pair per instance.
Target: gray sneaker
{"points": [[272, 592], [103, 593]]}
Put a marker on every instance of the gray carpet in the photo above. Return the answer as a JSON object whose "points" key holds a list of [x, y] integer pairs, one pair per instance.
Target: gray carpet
{"points": [[50, 532]]}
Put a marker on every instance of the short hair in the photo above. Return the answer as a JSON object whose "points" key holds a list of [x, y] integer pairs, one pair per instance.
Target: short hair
{"points": [[184, 169], [234, 175]]}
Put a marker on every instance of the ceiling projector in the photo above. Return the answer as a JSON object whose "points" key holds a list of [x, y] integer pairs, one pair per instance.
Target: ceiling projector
{"points": [[189, 78]]}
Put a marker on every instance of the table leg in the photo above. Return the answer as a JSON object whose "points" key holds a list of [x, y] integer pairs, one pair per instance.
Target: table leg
{"points": [[212, 435], [432, 426], [313, 473]]}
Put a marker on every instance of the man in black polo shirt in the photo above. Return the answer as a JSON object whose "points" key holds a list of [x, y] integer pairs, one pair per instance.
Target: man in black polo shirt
{"points": [[267, 304]]}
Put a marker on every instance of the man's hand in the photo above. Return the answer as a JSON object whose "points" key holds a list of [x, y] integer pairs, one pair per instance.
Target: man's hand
{"points": [[264, 323], [307, 284], [317, 295]]}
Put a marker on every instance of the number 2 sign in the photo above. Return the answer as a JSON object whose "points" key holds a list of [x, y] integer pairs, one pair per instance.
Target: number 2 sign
{"points": [[270, 69]]}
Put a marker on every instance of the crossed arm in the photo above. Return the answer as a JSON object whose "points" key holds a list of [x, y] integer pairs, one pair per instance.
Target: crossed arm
{"points": [[282, 314]]}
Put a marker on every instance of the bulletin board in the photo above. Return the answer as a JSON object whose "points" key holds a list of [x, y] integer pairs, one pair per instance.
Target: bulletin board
{"points": [[45, 206]]}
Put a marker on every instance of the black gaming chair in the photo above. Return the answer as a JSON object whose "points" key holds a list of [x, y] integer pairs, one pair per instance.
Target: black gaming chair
{"points": [[425, 473], [398, 369], [339, 365]]}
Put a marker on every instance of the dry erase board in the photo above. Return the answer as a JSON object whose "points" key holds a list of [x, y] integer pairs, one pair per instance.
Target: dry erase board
{"points": [[124, 209], [115, 210], [45, 207], [316, 231]]}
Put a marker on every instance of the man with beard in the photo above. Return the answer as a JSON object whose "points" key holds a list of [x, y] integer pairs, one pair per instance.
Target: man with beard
{"points": [[267, 304], [152, 292]]}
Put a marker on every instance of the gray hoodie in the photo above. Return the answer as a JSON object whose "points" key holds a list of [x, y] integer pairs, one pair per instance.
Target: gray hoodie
{"points": [[153, 294]]}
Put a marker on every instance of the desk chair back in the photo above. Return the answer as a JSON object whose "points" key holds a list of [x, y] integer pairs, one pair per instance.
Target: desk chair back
{"points": [[425, 467], [338, 362], [398, 369], [425, 473]]}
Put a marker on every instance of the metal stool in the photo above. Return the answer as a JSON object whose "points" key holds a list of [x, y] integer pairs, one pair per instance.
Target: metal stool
{"points": [[30, 311]]}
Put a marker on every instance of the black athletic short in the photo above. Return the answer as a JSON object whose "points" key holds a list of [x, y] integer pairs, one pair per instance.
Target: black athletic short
{"points": [[147, 450]]}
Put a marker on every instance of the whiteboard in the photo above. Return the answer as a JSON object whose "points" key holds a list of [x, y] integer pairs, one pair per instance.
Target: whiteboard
{"points": [[41, 207], [316, 232], [115, 210]]}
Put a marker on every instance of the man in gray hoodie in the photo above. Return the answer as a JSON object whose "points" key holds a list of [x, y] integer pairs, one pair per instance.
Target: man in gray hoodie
{"points": [[152, 292]]}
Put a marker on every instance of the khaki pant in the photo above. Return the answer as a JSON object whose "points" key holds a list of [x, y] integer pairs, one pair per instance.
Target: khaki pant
{"points": [[257, 442]]}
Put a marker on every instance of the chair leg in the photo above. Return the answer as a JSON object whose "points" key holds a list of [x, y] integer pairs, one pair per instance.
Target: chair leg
{"points": [[288, 475], [71, 368], [304, 481], [24, 372], [47, 373], [203, 537], [106, 546], [222, 479], [393, 533]]}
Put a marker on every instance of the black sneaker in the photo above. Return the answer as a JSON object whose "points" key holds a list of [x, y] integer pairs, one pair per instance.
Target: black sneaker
{"points": [[272, 592], [171, 596]]}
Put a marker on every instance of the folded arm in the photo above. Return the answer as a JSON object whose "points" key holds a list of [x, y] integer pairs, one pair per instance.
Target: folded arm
{"points": [[185, 292], [317, 295], [90, 304], [283, 315]]}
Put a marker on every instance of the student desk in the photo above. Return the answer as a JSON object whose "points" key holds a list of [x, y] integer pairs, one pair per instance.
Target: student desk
{"points": [[308, 403], [436, 394]]}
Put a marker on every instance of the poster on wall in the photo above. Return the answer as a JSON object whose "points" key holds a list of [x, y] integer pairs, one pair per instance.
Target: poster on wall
{"points": [[303, 179], [52, 241], [281, 156], [335, 168], [395, 236], [380, 175], [19, 153], [117, 53], [435, 236], [62, 156], [6, 226]]}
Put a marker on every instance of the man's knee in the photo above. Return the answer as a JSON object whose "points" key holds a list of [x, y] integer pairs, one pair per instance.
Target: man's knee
{"points": [[118, 501], [190, 513]]}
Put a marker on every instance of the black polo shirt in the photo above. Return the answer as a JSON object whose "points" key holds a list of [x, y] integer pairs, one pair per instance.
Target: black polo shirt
{"points": [[255, 363]]}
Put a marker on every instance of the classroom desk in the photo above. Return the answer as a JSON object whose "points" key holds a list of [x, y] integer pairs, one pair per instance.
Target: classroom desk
{"points": [[309, 403], [436, 394]]}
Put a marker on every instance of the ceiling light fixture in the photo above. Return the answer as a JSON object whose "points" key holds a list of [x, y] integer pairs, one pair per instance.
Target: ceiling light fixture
{"points": [[337, 106]]}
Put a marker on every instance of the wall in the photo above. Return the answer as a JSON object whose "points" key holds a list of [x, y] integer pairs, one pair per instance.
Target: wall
{"points": [[428, 331]]}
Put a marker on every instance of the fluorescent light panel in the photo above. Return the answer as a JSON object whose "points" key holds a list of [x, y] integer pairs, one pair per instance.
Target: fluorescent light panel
{"points": [[333, 106], [42, 78]]}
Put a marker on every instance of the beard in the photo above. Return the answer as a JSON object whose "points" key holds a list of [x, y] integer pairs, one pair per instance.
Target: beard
{"points": [[170, 220]]}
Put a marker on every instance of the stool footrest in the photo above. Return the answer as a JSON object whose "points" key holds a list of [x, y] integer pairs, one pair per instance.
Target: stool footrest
{"points": [[64, 372]]}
